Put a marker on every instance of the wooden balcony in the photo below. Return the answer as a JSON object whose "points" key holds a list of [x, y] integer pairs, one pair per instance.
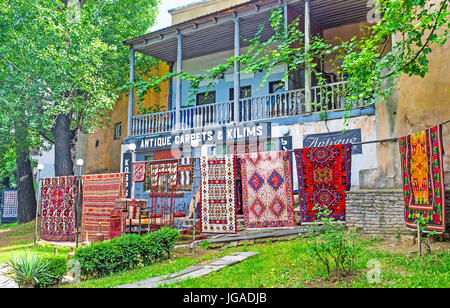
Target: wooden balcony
{"points": [[280, 105]]}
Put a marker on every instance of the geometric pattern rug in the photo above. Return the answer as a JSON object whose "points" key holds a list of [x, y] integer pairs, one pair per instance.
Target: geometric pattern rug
{"points": [[100, 193], [58, 209], [10, 206], [218, 194], [267, 190], [139, 172], [423, 178], [324, 174]]}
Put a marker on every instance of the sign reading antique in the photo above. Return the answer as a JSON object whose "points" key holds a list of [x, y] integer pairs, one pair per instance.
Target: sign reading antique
{"points": [[215, 135], [333, 138]]}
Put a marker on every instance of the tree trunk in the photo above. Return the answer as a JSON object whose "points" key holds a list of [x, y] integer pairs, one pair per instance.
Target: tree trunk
{"points": [[25, 188], [63, 157]]}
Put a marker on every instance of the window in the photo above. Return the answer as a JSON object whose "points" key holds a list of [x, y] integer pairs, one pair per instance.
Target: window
{"points": [[206, 98], [117, 131], [246, 92], [275, 86]]}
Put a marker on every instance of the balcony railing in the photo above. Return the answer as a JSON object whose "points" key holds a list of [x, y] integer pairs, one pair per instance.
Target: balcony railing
{"points": [[287, 104]]}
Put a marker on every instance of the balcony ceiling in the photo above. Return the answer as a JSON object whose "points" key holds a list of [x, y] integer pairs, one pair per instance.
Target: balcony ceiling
{"points": [[215, 32]]}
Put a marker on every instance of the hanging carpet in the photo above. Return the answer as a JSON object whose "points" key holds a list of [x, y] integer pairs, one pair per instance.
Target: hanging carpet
{"points": [[267, 190], [423, 178], [324, 174], [218, 194], [100, 193], [139, 172], [58, 209], [10, 206]]}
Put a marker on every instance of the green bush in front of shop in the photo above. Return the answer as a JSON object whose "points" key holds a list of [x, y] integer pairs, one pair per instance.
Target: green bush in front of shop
{"points": [[125, 253]]}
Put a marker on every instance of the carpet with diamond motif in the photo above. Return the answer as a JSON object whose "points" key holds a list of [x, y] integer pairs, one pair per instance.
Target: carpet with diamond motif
{"points": [[267, 190]]}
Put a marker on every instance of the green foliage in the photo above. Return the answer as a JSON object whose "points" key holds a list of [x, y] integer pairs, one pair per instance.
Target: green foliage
{"points": [[126, 252], [27, 270], [332, 245], [205, 244], [64, 58], [56, 269]]}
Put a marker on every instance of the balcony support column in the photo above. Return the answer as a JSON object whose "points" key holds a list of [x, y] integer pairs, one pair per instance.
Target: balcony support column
{"points": [[286, 28], [308, 78], [237, 68], [131, 93], [179, 84]]}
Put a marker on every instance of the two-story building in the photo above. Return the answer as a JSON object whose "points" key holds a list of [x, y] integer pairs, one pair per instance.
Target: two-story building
{"points": [[238, 114]]}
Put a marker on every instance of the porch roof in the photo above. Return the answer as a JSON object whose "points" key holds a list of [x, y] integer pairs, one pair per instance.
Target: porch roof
{"points": [[214, 32]]}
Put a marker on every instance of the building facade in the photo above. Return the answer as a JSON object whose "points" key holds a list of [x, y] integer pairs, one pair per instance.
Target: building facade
{"points": [[241, 113]]}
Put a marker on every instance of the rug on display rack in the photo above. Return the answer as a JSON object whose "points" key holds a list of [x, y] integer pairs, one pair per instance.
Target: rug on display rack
{"points": [[267, 190], [423, 178], [139, 172], [185, 173], [117, 225], [163, 175], [324, 175], [10, 206], [100, 193], [58, 209], [218, 194]]}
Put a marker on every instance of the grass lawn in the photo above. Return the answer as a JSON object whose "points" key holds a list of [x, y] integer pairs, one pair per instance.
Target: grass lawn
{"points": [[280, 264], [288, 265], [19, 239]]}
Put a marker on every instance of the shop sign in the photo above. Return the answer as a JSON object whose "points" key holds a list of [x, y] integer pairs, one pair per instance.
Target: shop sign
{"points": [[333, 138]]}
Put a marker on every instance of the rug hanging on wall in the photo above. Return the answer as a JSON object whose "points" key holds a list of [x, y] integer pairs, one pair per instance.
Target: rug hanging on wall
{"points": [[267, 190], [100, 193], [139, 172], [218, 194], [10, 206], [324, 174], [58, 209], [185, 173], [163, 175], [423, 178]]}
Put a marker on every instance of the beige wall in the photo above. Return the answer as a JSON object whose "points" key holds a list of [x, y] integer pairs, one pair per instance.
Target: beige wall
{"points": [[418, 103], [201, 9], [102, 150]]}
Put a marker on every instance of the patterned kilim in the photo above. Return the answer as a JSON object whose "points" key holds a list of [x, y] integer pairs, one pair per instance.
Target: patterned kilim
{"points": [[117, 223], [100, 193], [163, 175], [267, 190], [218, 194], [10, 205], [324, 174], [185, 173], [58, 209], [423, 176], [139, 172]]}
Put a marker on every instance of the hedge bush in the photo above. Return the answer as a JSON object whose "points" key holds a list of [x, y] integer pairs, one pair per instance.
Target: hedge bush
{"points": [[125, 253], [56, 269]]}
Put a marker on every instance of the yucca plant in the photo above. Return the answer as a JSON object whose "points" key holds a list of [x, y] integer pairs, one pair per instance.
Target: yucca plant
{"points": [[25, 269]]}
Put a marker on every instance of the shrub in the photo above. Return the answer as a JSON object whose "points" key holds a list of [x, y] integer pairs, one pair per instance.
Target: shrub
{"points": [[334, 247], [125, 253], [56, 268], [26, 270]]}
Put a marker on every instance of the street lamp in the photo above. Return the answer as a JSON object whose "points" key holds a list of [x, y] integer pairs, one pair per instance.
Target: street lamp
{"points": [[40, 167], [132, 147]]}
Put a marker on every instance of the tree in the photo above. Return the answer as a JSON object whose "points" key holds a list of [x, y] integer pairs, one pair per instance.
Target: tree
{"points": [[69, 58]]}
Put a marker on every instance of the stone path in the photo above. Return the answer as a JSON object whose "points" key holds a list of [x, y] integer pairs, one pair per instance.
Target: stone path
{"points": [[193, 272], [4, 283]]}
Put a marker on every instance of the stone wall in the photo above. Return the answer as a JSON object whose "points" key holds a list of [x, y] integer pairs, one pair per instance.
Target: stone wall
{"points": [[380, 211]]}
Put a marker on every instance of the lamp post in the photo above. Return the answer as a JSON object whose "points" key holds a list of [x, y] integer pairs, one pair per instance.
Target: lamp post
{"points": [[40, 167], [132, 149], [80, 163]]}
